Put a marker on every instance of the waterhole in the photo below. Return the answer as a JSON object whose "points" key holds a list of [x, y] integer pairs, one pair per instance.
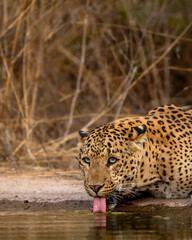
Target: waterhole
{"points": [[83, 224]]}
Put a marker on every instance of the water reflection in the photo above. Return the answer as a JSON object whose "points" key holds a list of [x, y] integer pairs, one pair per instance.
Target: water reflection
{"points": [[86, 225], [100, 220]]}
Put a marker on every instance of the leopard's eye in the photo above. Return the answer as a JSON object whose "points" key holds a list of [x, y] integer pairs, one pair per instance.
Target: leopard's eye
{"points": [[86, 160], [111, 161]]}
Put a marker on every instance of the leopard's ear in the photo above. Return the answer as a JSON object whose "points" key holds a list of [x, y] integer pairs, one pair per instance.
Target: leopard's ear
{"points": [[82, 135], [137, 131]]}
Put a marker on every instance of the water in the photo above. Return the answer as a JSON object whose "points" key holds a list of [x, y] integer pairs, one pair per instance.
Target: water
{"points": [[83, 224]]}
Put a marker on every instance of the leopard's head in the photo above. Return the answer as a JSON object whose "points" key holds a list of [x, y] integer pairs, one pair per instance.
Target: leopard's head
{"points": [[109, 157]]}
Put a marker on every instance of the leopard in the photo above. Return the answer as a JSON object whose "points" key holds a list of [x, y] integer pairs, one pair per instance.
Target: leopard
{"points": [[129, 156]]}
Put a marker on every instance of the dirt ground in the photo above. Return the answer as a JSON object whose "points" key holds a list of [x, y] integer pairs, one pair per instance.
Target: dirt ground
{"points": [[29, 191]]}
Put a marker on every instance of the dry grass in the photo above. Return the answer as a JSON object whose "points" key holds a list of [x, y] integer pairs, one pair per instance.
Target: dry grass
{"points": [[67, 65]]}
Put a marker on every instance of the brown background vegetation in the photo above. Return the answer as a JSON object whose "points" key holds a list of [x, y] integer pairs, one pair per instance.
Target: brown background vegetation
{"points": [[72, 64]]}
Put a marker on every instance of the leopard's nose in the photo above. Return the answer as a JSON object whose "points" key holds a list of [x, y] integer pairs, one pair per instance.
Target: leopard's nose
{"points": [[96, 188]]}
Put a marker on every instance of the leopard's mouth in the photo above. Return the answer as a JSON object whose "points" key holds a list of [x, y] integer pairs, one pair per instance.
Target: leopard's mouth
{"points": [[111, 201], [101, 204]]}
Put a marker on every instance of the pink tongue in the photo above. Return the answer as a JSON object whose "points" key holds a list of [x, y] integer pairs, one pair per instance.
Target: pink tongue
{"points": [[99, 205]]}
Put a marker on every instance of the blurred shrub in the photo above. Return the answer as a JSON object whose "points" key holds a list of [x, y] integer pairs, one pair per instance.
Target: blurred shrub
{"points": [[68, 64]]}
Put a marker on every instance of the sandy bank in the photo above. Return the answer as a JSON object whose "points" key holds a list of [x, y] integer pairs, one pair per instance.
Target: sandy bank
{"points": [[34, 192]]}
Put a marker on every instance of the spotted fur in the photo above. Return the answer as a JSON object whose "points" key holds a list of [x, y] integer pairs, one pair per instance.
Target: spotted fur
{"points": [[149, 153]]}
